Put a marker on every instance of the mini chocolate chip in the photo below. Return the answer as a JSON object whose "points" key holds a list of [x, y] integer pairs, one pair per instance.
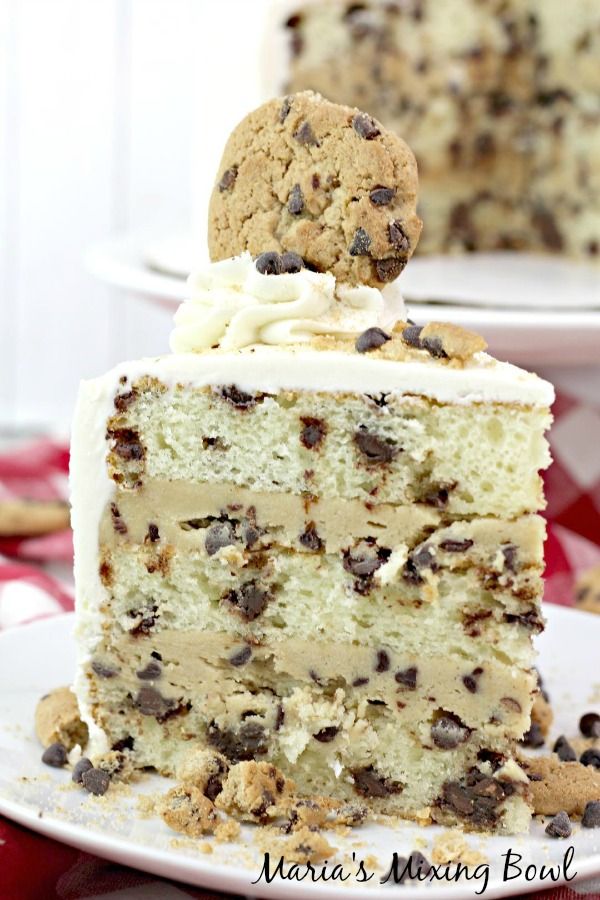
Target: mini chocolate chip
{"points": [[279, 717], [153, 533], [103, 671], [326, 735], [150, 702], [268, 263], [509, 552], [563, 749], [471, 681], [127, 444], [250, 741], [545, 223], [151, 672], [296, 201], [382, 196], [591, 814], [417, 867], [388, 269], [371, 339], [214, 786], [434, 347], [228, 179], [81, 766], [363, 565], [383, 661], [249, 600], [360, 243], [305, 135], [219, 535], [412, 336], [55, 755], [420, 558], [590, 757], [126, 743], [291, 263], [359, 682], [95, 781], [118, 523], [374, 448], [559, 826], [313, 432], [534, 737], [365, 126], [310, 539], [241, 657], [156, 655], [450, 546], [397, 236], [589, 725], [448, 732], [407, 677]]}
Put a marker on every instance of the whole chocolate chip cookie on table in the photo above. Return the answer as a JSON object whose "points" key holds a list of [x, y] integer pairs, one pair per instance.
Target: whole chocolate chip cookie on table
{"points": [[302, 536], [325, 181]]}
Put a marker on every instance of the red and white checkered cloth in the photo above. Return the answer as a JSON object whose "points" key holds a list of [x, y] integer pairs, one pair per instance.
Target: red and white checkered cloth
{"points": [[29, 591]]}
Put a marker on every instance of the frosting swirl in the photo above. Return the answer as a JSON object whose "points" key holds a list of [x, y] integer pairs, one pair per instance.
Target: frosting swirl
{"points": [[233, 305]]}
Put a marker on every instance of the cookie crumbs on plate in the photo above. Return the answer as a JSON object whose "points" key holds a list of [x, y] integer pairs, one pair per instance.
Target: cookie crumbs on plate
{"points": [[227, 831], [451, 847]]}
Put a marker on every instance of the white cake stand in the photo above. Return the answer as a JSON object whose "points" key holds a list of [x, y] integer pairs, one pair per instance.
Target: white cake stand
{"points": [[533, 310]]}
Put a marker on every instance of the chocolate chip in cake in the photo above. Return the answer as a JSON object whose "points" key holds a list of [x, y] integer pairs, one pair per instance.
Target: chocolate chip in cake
{"points": [[420, 559], [291, 263], [239, 399], [268, 263], [450, 546], [326, 735], [313, 432], [412, 336], [305, 135], [55, 755], [365, 126], [95, 781], [241, 657], [471, 681], [383, 661], [118, 523], [250, 741], [214, 786], [545, 224], [407, 678], [310, 538], [388, 269], [559, 826], [476, 797], [589, 725], [563, 749], [371, 339], [370, 783], [102, 670], [534, 737], [530, 619], [360, 243], [81, 766], [296, 201], [449, 731], [376, 449], [147, 620], [397, 236], [279, 717], [150, 702], [509, 552], [153, 534], [590, 757], [219, 535], [126, 444], [359, 682], [126, 743], [249, 600], [591, 815], [228, 179], [151, 672], [382, 196], [123, 401]]}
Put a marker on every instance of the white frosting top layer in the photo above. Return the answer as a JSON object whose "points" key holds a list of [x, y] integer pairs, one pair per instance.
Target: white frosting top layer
{"points": [[233, 305]]}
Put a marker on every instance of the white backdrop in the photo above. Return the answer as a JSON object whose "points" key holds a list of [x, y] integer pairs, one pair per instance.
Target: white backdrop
{"points": [[112, 115]]}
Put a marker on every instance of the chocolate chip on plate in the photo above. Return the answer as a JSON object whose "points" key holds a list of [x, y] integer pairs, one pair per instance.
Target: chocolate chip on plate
{"points": [[559, 826], [55, 755], [96, 781], [590, 757], [591, 814], [563, 749], [589, 725], [81, 766]]}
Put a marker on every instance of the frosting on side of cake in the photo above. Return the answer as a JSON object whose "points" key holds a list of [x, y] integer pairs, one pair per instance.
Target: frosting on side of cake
{"points": [[234, 305]]}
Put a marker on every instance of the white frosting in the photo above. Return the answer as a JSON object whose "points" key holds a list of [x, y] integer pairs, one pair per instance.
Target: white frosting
{"points": [[233, 305]]}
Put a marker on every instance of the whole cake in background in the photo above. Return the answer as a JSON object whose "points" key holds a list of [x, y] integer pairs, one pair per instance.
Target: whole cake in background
{"points": [[499, 99], [308, 537]]}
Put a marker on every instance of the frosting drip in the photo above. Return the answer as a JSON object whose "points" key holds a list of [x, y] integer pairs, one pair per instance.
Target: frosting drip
{"points": [[232, 305]]}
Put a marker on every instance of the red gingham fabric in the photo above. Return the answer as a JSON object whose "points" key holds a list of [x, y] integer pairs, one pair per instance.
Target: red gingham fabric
{"points": [[34, 867]]}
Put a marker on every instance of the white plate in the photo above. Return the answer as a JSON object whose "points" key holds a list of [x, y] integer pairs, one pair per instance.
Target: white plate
{"points": [[41, 656], [149, 264]]}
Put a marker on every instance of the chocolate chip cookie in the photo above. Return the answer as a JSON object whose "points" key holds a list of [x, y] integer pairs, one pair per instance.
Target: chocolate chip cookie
{"points": [[328, 182]]}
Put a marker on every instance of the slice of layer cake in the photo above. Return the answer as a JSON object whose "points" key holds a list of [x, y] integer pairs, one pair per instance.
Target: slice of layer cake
{"points": [[309, 536]]}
